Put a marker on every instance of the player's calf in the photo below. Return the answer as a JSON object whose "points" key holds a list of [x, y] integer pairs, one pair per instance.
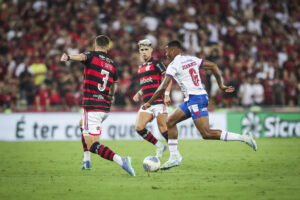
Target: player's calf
{"points": [[147, 135], [211, 134], [106, 153]]}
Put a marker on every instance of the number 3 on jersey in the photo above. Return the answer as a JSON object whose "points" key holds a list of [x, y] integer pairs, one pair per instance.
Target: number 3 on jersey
{"points": [[194, 76], [105, 79]]}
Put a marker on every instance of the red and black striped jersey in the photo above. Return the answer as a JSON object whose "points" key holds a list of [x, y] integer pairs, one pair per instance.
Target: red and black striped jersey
{"points": [[99, 75], [150, 75]]}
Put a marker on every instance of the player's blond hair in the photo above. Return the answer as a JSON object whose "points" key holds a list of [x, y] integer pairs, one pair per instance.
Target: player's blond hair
{"points": [[145, 42]]}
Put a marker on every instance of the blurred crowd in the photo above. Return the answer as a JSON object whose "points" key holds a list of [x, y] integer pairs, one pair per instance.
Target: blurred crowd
{"points": [[254, 42]]}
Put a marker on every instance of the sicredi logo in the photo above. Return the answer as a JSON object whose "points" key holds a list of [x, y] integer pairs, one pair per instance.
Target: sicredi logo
{"points": [[275, 127]]}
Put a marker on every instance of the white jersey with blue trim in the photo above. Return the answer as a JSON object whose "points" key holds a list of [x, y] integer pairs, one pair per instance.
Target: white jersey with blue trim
{"points": [[185, 70]]}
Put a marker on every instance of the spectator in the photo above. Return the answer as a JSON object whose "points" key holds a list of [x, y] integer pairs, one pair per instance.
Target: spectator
{"points": [[246, 92], [278, 92], [258, 92], [42, 100], [257, 38]]}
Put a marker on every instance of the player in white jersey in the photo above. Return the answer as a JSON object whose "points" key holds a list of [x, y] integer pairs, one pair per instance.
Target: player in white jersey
{"points": [[185, 70]]}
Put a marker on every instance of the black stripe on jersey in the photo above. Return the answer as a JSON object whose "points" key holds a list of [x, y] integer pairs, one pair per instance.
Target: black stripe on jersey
{"points": [[95, 67], [90, 108], [146, 99], [90, 95], [148, 73], [92, 103], [150, 90], [154, 82]]}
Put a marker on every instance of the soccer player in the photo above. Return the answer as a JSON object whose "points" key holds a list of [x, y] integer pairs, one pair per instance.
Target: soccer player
{"points": [[99, 86], [151, 73], [185, 70]]}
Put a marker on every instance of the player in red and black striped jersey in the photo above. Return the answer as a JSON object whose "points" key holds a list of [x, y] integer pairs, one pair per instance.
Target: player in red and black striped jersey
{"points": [[151, 72], [99, 77], [99, 87]]}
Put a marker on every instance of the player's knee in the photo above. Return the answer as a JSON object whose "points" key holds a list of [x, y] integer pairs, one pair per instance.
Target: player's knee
{"points": [[94, 147], [162, 129], [170, 123], [139, 128]]}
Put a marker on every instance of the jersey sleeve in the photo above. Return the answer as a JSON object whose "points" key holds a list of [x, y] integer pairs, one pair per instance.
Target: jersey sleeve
{"points": [[200, 61], [160, 67], [88, 56], [171, 70]]}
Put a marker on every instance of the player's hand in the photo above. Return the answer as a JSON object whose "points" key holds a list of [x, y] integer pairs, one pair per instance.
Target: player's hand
{"points": [[227, 88], [136, 97], [167, 100], [145, 106], [64, 57]]}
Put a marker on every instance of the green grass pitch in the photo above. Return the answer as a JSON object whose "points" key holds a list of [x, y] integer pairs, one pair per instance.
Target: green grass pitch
{"points": [[210, 170]]}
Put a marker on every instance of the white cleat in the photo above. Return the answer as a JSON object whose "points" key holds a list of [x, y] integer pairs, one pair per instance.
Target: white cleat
{"points": [[160, 151], [250, 141], [172, 162]]}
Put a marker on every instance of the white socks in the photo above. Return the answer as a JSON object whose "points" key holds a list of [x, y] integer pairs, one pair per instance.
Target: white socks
{"points": [[159, 144], [228, 136], [117, 159], [86, 156], [173, 143]]}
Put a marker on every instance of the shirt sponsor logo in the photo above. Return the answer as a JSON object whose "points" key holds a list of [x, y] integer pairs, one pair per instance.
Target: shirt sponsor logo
{"points": [[146, 80], [98, 96], [105, 58]]}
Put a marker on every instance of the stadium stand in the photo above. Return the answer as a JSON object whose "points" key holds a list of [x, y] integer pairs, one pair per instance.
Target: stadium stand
{"points": [[255, 42]]}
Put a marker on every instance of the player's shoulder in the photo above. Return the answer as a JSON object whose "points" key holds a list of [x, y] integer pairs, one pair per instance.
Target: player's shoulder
{"points": [[88, 53], [190, 57], [158, 62]]}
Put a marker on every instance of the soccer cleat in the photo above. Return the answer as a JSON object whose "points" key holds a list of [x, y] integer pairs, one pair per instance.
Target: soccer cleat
{"points": [[160, 151], [172, 162], [86, 165], [127, 166], [250, 141]]}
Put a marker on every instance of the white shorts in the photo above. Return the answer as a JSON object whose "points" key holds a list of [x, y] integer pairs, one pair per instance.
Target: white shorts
{"points": [[92, 121], [155, 110]]}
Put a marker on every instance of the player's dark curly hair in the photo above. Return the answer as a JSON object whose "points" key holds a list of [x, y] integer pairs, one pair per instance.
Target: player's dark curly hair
{"points": [[102, 41], [175, 43]]}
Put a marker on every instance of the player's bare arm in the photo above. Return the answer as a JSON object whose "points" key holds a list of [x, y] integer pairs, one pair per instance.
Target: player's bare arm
{"points": [[167, 93], [74, 57], [137, 96], [160, 90], [207, 65]]}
